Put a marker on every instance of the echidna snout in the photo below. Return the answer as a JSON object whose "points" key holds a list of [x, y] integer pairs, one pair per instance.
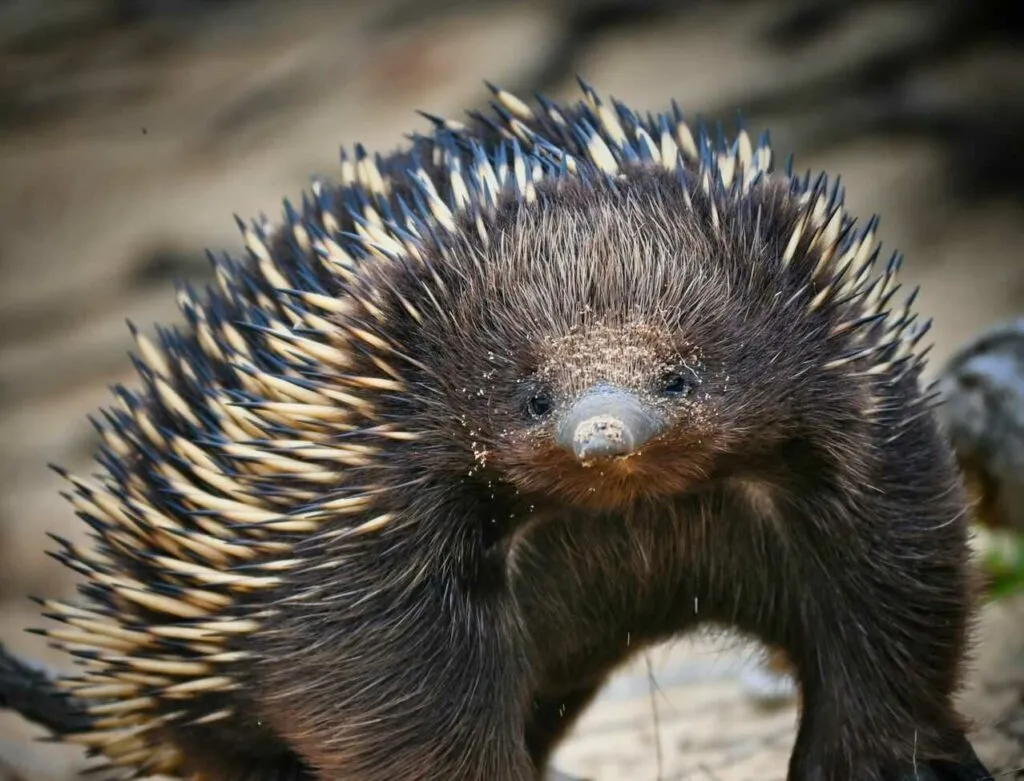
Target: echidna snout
{"points": [[607, 422]]}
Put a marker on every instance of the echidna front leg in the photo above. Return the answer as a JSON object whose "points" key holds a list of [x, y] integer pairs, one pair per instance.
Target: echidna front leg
{"points": [[423, 684], [877, 682], [877, 617]]}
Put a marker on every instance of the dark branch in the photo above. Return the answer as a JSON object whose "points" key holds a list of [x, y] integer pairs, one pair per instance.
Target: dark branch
{"points": [[30, 691]]}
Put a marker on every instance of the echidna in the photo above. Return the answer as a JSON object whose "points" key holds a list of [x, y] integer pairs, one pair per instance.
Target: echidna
{"points": [[494, 414]]}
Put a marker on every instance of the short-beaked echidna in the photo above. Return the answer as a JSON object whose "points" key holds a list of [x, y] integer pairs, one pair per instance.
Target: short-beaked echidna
{"points": [[490, 416]]}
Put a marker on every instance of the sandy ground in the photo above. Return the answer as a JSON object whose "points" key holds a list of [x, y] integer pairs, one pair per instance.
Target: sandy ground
{"points": [[99, 209]]}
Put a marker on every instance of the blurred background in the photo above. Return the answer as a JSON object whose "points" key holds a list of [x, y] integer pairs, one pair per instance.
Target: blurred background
{"points": [[132, 130]]}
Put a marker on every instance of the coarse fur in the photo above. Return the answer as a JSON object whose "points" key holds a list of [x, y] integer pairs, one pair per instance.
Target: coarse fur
{"points": [[337, 538]]}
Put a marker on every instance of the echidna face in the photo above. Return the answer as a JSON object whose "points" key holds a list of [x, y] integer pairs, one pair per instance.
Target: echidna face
{"points": [[612, 413], [587, 351]]}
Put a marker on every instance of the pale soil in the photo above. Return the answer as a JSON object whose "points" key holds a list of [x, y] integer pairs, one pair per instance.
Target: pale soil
{"points": [[237, 118]]}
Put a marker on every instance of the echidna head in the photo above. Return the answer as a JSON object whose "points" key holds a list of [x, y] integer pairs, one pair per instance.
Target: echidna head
{"points": [[614, 410], [593, 349]]}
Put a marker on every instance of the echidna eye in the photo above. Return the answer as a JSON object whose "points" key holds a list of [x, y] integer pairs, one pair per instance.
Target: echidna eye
{"points": [[539, 406], [677, 384]]}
